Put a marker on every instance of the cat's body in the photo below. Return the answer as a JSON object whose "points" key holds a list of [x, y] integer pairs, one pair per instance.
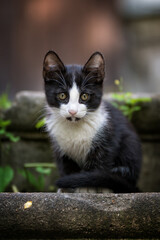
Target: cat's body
{"points": [[94, 144]]}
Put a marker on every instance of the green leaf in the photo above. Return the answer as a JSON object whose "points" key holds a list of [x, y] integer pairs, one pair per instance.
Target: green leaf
{"points": [[11, 137], [117, 96], [44, 165], [136, 108], [146, 99], [6, 176], [22, 172], [129, 101], [40, 123], [143, 99], [37, 183], [42, 170], [5, 103], [116, 105], [32, 179], [128, 95], [41, 183], [124, 108], [2, 131], [4, 123]]}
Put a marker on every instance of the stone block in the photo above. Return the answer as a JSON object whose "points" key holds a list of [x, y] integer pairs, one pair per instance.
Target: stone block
{"points": [[26, 110]]}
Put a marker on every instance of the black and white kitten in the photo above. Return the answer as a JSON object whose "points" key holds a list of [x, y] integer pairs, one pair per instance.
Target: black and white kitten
{"points": [[95, 145]]}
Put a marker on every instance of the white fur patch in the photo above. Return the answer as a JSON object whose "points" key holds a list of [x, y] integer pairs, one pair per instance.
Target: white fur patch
{"points": [[73, 105], [75, 138]]}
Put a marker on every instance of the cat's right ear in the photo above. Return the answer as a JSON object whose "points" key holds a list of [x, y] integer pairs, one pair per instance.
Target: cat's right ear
{"points": [[95, 65], [52, 64]]}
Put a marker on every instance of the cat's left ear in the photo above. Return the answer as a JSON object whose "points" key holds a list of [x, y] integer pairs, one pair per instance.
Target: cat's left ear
{"points": [[95, 65]]}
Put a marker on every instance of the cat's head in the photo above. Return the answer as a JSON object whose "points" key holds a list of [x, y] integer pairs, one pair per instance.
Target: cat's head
{"points": [[73, 90]]}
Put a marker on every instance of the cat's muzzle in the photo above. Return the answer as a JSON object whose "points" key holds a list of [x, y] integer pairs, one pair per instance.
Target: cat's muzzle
{"points": [[73, 119]]}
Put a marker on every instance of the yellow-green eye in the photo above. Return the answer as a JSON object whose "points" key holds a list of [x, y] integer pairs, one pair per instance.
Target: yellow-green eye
{"points": [[84, 96], [62, 96]]}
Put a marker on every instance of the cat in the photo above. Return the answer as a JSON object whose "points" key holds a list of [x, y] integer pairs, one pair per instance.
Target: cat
{"points": [[94, 144]]}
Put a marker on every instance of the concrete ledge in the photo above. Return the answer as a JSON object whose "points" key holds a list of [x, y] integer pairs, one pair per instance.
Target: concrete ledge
{"points": [[53, 216]]}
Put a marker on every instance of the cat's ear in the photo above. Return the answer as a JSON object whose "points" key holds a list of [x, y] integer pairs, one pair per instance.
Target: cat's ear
{"points": [[96, 65], [52, 63]]}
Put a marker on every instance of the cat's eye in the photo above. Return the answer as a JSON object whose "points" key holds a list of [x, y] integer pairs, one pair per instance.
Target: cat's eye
{"points": [[84, 96], [62, 96]]}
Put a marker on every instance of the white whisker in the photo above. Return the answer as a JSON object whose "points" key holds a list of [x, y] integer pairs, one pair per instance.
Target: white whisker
{"points": [[86, 79], [59, 82], [62, 78]]}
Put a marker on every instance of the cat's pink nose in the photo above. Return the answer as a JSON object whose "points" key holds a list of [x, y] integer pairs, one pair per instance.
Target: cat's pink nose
{"points": [[72, 112]]}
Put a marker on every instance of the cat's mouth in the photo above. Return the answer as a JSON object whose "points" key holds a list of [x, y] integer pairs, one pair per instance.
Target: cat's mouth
{"points": [[73, 119]]}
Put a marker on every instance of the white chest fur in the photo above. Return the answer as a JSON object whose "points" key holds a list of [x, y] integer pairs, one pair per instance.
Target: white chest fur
{"points": [[75, 138]]}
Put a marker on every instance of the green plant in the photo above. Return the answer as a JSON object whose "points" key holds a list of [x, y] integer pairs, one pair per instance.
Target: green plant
{"points": [[40, 123], [6, 176], [43, 170], [5, 104], [6, 173], [4, 133], [125, 101]]}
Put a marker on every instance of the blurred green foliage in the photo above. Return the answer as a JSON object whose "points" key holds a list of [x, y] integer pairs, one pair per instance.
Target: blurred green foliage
{"points": [[6, 172], [43, 170], [5, 103], [6, 176], [40, 123], [36, 178], [125, 101]]}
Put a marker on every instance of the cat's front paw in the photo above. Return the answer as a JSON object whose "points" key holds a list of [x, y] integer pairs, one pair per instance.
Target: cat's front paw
{"points": [[65, 190], [60, 190]]}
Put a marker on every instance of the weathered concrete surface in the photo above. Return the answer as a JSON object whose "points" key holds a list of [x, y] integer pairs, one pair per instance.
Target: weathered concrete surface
{"points": [[147, 120], [26, 110], [65, 215], [149, 180]]}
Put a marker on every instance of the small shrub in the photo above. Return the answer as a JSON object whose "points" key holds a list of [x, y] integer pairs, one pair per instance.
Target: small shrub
{"points": [[5, 103], [43, 170], [125, 101]]}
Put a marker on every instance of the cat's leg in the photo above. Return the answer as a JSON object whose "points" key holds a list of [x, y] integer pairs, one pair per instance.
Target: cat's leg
{"points": [[67, 166], [97, 178], [128, 162]]}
